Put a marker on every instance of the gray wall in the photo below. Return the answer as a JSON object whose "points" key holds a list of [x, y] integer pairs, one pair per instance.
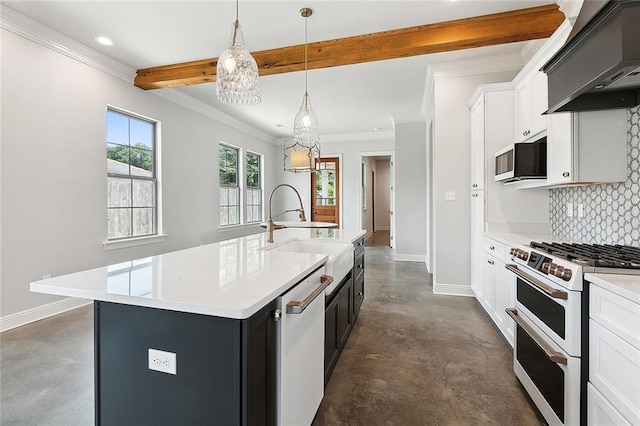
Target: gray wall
{"points": [[410, 196], [451, 160], [612, 211], [54, 169], [382, 195]]}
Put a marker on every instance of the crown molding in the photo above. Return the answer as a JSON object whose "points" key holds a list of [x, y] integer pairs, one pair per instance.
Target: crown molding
{"points": [[491, 87], [486, 65], [570, 8], [30, 29], [408, 118], [26, 27]]}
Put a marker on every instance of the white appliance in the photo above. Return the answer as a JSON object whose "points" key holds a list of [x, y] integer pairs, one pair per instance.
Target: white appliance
{"points": [[551, 350], [300, 350]]}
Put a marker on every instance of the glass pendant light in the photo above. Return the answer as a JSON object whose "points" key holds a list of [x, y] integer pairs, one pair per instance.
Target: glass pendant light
{"points": [[302, 155], [237, 71]]}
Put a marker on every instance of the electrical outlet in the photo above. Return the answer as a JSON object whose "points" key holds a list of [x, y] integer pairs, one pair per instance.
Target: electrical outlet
{"points": [[165, 362], [580, 210], [450, 196], [570, 209]]}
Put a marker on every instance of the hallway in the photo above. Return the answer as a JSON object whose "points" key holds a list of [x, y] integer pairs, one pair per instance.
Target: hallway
{"points": [[414, 358]]}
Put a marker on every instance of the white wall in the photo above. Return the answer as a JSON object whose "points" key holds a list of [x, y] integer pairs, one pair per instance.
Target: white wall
{"points": [[54, 169], [410, 195], [451, 160], [382, 195]]}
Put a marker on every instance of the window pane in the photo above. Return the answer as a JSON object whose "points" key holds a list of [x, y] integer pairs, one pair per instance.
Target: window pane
{"points": [[117, 128], [143, 222], [118, 192], [143, 193], [234, 215], [141, 134], [233, 197], [141, 162], [119, 223], [224, 216], [118, 159], [253, 171], [224, 197], [228, 164]]}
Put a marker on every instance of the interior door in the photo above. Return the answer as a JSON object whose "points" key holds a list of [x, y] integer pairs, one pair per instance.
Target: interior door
{"points": [[325, 185]]}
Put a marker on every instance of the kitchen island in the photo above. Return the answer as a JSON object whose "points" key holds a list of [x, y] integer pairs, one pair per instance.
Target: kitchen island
{"points": [[210, 312]]}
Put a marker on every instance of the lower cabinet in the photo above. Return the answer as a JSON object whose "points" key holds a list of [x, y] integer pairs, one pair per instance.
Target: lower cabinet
{"points": [[226, 368], [497, 287], [342, 309], [337, 324]]}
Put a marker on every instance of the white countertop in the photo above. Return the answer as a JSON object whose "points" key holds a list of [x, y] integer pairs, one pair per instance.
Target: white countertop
{"points": [[627, 286], [515, 239], [233, 278]]}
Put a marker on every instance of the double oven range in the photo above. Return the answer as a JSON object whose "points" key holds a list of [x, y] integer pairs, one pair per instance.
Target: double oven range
{"points": [[551, 313]]}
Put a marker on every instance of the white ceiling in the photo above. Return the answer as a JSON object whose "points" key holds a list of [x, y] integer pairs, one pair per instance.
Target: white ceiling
{"points": [[350, 99]]}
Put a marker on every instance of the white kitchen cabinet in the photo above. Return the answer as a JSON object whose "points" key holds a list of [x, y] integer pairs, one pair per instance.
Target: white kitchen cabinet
{"points": [[530, 102], [477, 144], [477, 230], [587, 147], [498, 290], [614, 357]]}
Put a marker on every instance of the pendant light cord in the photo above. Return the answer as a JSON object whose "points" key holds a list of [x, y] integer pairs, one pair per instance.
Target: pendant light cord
{"points": [[305, 54]]}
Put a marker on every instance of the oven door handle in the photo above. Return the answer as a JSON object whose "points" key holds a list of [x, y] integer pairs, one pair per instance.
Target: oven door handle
{"points": [[556, 294], [553, 356]]}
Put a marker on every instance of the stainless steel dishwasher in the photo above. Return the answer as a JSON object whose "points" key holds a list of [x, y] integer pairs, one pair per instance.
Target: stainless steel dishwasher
{"points": [[300, 339]]}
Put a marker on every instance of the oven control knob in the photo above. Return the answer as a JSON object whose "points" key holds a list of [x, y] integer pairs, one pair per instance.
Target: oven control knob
{"points": [[559, 272], [566, 274], [512, 251], [545, 267], [552, 268], [523, 255]]}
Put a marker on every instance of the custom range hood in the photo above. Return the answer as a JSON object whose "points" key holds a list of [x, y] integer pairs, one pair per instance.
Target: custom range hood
{"points": [[599, 66]]}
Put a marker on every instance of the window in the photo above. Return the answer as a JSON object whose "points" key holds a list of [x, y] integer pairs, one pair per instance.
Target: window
{"points": [[254, 188], [241, 191], [229, 186], [131, 176]]}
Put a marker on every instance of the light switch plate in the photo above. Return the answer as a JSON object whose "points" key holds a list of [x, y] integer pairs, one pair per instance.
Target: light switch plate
{"points": [[450, 196], [570, 209], [580, 210]]}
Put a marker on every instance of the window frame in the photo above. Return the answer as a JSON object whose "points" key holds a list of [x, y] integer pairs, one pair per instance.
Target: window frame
{"points": [[259, 188], [237, 185], [156, 234]]}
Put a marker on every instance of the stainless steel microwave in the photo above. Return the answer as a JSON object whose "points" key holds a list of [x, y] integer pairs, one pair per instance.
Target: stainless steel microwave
{"points": [[519, 161]]}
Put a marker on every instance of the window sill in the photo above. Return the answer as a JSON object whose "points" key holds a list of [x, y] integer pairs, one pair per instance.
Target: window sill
{"points": [[133, 242], [228, 228]]}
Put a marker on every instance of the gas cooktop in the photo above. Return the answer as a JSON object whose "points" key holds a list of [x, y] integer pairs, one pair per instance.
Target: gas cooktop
{"points": [[595, 255]]}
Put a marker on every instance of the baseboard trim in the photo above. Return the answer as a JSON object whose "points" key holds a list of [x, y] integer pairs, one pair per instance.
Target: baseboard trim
{"points": [[382, 228], [453, 289], [18, 319], [410, 258]]}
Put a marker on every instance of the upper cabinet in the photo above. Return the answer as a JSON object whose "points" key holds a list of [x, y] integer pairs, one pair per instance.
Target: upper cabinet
{"points": [[530, 102], [477, 144], [587, 147]]}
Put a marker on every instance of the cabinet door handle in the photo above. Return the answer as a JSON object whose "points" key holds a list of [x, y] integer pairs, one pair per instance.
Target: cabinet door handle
{"points": [[277, 314], [474, 195], [565, 174], [492, 248], [490, 262], [475, 185], [553, 356], [297, 307]]}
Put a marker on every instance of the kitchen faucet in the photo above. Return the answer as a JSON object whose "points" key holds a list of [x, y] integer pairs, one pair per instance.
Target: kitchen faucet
{"points": [[270, 225]]}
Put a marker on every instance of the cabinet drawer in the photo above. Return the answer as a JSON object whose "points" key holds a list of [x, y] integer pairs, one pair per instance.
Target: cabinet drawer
{"points": [[494, 248], [617, 314], [600, 412], [614, 369]]}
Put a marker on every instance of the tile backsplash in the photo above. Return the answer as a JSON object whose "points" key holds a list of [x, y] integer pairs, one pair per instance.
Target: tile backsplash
{"points": [[612, 211]]}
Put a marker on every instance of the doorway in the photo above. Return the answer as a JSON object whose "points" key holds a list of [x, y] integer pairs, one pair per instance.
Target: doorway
{"points": [[377, 197], [325, 187]]}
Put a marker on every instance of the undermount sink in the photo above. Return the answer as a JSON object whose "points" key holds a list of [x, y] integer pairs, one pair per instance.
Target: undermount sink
{"points": [[339, 263]]}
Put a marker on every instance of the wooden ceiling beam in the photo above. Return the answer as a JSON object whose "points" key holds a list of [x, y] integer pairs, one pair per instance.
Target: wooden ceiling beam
{"points": [[487, 30]]}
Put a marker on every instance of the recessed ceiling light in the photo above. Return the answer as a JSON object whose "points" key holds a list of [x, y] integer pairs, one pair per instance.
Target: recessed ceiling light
{"points": [[105, 41], [377, 129]]}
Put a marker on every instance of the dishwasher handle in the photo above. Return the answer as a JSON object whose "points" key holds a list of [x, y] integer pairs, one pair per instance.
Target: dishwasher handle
{"points": [[298, 306]]}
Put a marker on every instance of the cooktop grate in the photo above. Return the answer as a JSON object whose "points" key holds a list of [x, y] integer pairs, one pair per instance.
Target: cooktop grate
{"points": [[598, 255]]}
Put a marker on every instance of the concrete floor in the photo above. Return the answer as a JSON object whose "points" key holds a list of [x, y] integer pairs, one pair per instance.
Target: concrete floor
{"points": [[414, 358]]}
